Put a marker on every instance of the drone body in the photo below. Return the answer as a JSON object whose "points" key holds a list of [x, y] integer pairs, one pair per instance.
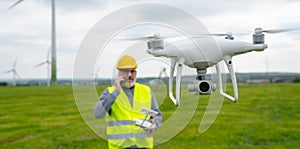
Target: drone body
{"points": [[201, 53], [204, 52]]}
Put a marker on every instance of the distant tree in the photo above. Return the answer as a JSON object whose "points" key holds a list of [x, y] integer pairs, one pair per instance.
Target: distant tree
{"points": [[3, 84], [296, 80]]}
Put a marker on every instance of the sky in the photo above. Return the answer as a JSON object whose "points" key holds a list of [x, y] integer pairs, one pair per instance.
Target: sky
{"points": [[25, 33]]}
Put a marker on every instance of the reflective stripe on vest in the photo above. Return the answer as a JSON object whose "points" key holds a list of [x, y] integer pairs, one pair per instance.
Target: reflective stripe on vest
{"points": [[121, 129]]}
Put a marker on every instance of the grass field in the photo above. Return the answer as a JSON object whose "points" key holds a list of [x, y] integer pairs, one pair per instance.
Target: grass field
{"points": [[266, 116]]}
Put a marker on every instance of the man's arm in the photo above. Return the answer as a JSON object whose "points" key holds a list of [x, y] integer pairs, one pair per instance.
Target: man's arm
{"points": [[107, 99], [105, 102], [155, 107]]}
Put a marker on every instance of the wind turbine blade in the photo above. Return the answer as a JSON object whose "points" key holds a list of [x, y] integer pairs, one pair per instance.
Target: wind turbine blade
{"points": [[15, 63], [40, 64], [5, 72], [48, 54], [15, 4], [17, 74]]}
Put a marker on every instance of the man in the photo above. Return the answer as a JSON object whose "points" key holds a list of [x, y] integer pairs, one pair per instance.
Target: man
{"points": [[121, 105]]}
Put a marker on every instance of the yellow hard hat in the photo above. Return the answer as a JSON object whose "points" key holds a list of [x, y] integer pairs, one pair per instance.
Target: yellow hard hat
{"points": [[127, 62]]}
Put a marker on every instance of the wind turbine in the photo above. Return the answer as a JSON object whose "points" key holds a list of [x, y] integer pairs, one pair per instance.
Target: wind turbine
{"points": [[96, 75], [53, 41], [157, 81], [48, 63], [14, 72]]}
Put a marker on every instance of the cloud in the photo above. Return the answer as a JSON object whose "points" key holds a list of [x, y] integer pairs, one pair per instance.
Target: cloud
{"points": [[25, 30]]}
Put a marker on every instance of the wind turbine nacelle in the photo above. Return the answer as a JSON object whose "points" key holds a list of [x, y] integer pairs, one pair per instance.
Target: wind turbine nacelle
{"points": [[155, 44], [202, 87]]}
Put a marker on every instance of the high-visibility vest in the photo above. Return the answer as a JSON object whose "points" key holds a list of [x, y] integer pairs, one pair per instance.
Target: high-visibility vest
{"points": [[120, 123]]}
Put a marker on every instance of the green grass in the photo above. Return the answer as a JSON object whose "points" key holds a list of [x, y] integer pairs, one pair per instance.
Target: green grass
{"points": [[43, 117], [266, 116]]}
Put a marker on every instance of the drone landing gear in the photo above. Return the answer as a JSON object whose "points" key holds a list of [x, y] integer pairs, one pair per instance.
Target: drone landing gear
{"points": [[179, 66], [201, 86], [229, 65]]}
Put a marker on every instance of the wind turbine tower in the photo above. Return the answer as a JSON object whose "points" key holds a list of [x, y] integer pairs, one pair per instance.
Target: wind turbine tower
{"points": [[53, 75], [53, 46]]}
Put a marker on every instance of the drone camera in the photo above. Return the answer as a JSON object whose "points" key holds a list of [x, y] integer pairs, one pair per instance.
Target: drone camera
{"points": [[155, 44], [202, 87]]}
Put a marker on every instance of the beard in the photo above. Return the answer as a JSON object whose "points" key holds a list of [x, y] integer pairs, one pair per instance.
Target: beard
{"points": [[127, 84]]}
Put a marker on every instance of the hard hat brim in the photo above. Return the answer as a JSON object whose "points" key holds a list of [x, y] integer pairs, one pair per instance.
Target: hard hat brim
{"points": [[127, 67]]}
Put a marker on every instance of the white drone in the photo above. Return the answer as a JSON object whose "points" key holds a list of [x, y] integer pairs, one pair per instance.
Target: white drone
{"points": [[206, 55]]}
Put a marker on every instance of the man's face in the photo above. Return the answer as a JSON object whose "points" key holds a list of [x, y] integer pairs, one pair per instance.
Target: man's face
{"points": [[129, 75]]}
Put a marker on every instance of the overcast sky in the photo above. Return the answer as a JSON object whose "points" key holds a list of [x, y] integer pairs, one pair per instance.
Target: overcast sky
{"points": [[25, 31]]}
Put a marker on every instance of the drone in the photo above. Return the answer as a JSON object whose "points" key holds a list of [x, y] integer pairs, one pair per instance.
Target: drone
{"points": [[206, 55]]}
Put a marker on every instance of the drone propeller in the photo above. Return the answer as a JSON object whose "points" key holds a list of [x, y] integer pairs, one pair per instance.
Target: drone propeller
{"points": [[257, 31], [274, 31], [220, 34], [154, 36], [228, 35]]}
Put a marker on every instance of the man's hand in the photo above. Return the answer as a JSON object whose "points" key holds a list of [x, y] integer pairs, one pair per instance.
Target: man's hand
{"points": [[118, 82], [153, 128]]}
